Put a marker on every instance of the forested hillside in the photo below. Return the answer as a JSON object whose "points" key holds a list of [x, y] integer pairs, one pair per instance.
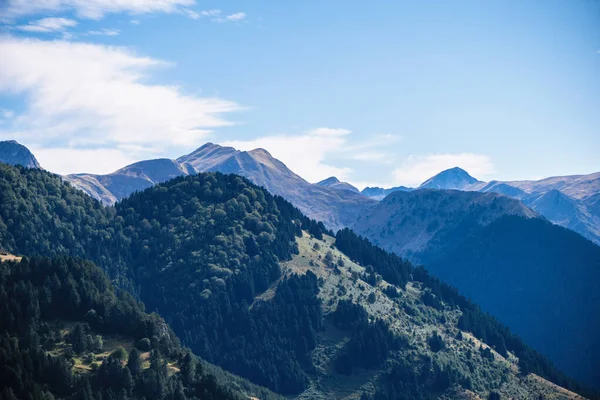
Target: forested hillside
{"points": [[64, 334], [206, 252], [196, 249]]}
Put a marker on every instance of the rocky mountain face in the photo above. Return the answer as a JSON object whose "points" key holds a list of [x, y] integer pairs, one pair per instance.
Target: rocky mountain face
{"points": [[453, 178], [336, 208], [334, 183], [13, 153]]}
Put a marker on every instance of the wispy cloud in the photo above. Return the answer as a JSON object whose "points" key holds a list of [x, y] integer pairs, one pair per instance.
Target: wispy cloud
{"points": [[210, 13], [48, 25], [92, 9], [231, 18], [135, 22], [105, 32], [199, 14], [418, 168], [80, 96]]}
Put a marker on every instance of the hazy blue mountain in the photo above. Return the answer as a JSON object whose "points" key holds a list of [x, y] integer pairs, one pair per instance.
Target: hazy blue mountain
{"points": [[453, 178], [334, 183], [13, 153], [378, 193], [575, 186], [541, 280], [562, 200]]}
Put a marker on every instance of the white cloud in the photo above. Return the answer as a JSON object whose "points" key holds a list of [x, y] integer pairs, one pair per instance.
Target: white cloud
{"points": [[135, 22], [105, 32], [81, 95], [93, 9], [47, 25], [232, 17], [94, 161], [304, 154], [191, 13], [418, 168], [210, 13], [236, 17]]}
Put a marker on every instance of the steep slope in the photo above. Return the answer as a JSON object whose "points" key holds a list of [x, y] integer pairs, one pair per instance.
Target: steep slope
{"points": [[541, 280], [453, 178], [450, 232], [334, 183], [14, 153], [378, 193], [386, 335], [67, 334], [226, 264], [425, 222]]}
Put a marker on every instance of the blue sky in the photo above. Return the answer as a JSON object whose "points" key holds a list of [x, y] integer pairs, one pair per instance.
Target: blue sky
{"points": [[377, 92]]}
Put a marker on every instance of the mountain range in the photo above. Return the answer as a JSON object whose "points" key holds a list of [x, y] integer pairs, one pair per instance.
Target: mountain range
{"points": [[434, 226], [336, 208], [247, 282], [569, 201]]}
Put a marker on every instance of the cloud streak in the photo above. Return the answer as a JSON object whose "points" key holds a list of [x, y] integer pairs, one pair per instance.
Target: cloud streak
{"points": [[81, 96], [92, 9], [231, 18], [48, 25]]}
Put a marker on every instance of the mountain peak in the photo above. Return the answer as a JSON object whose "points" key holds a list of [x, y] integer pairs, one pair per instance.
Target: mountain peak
{"points": [[334, 183], [14, 153], [329, 181], [260, 152], [453, 178]]}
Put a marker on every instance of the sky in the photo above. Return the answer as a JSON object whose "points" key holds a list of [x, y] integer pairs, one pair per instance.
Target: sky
{"points": [[378, 93]]}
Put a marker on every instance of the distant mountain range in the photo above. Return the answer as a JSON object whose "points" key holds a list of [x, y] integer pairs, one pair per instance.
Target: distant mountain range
{"points": [[569, 201]]}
